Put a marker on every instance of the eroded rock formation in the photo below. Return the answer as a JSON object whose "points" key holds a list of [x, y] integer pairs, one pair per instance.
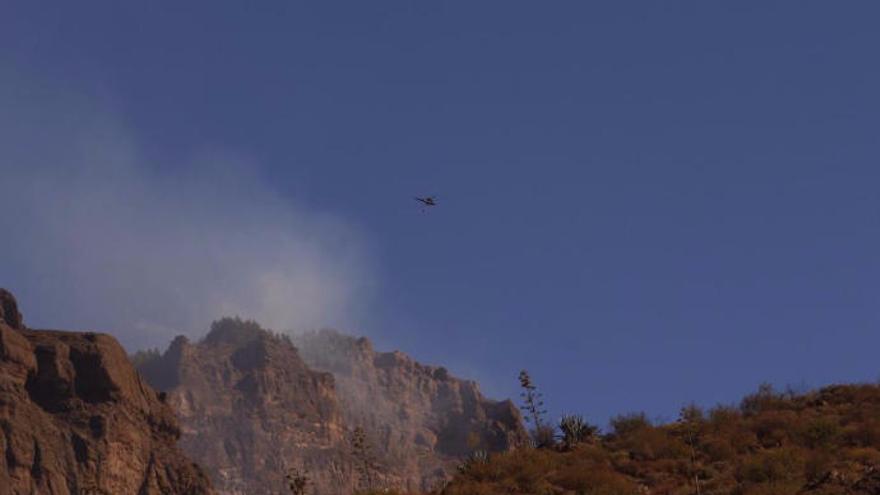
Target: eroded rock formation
{"points": [[253, 408], [421, 420], [75, 418]]}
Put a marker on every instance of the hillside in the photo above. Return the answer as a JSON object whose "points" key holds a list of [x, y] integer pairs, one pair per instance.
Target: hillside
{"points": [[255, 405], [820, 443], [75, 418]]}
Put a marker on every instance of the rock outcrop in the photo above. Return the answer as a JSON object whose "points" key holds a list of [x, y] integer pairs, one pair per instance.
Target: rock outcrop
{"points": [[9, 313], [253, 409], [76, 418], [420, 419]]}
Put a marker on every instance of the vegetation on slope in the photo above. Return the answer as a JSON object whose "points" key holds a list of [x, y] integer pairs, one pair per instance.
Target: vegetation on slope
{"points": [[821, 442]]}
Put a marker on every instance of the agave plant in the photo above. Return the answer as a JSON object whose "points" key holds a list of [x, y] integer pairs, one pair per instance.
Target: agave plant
{"points": [[574, 430]]}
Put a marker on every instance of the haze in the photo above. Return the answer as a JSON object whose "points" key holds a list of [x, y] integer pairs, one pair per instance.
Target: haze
{"points": [[642, 206]]}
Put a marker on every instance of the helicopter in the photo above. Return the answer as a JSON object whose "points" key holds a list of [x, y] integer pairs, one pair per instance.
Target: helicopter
{"points": [[427, 200]]}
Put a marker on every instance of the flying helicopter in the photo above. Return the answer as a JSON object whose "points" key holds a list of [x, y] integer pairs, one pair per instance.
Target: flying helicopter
{"points": [[427, 200]]}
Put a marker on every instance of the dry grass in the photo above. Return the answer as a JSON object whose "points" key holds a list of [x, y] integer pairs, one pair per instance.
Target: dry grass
{"points": [[821, 442]]}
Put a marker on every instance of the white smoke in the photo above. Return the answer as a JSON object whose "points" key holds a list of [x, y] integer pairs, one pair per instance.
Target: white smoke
{"points": [[96, 235]]}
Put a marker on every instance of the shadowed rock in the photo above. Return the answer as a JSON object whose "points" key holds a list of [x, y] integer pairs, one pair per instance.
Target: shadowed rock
{"points": [[421, 419], [250, 409], [75, 418], [9, 310]]}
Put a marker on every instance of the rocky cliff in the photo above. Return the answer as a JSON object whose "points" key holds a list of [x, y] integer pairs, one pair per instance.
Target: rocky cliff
{"points": [[420, 419], [254, 407], [75, 418], [251, 409]]}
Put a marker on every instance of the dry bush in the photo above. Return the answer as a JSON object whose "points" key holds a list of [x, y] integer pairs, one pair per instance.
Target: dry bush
{"points": [[866, 456], [863, 434], [593, 480], [722, 418], [820, 433], [775, 444], [765, 399], [771, 466], [624, 424], [785, 488], [772, 428]]}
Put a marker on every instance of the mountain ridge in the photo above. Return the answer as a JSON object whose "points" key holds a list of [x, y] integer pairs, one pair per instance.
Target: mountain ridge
{"points": [[255, 405]]}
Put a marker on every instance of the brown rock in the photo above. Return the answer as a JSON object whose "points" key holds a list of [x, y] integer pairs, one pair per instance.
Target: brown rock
{"points": [[421, 420], [9, 310], [252, 409], [76, 418]]}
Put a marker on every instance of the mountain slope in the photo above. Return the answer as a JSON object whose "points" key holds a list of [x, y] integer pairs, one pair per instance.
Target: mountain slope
{"points": [[819, 443]]}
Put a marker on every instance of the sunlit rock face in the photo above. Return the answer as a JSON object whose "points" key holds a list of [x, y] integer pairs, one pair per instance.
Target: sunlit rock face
{"points": [[255, 405], [75, 417]]}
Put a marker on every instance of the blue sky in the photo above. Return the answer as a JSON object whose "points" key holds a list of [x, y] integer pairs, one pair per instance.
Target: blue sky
{"points": [[643, 203]]}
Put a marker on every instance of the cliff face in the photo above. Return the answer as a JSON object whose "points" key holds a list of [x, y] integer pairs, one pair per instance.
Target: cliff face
{"points": [[253, 408], [420, 420], [75, 418]]}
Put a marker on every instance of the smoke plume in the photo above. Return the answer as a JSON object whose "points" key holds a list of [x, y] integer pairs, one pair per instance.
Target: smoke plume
{"points": [[100, 233]]}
